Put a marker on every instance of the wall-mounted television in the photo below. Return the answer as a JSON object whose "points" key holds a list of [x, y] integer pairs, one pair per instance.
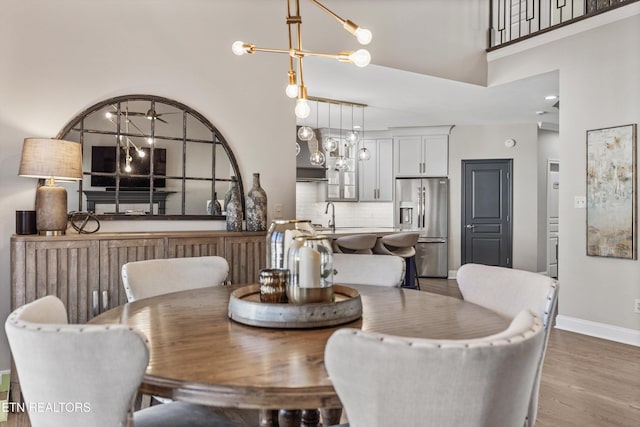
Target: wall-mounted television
{"points": [[103, 159]]}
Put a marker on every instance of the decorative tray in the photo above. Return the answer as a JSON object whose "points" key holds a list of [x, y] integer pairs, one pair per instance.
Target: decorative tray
{"points": [[245, 307]]}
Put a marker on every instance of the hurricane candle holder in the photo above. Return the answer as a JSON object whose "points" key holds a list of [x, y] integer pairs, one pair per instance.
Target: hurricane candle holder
{"points": [[310, 262]]}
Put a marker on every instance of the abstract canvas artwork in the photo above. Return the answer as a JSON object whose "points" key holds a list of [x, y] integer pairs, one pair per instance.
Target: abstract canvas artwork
{"points": [[611, 192]]}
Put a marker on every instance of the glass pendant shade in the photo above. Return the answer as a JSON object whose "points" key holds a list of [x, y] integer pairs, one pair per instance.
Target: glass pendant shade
{"points": [[305, 133], [297, 148], [352, 136], [341, 163], [364, 154], [317, 158], [330, 144]]}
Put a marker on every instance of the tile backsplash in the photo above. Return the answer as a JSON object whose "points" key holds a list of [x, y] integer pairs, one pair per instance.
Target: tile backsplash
{"points": [[311, 204]]}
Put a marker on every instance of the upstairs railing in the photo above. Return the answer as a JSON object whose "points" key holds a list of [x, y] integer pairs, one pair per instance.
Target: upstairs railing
{"points": [[515, 20]]}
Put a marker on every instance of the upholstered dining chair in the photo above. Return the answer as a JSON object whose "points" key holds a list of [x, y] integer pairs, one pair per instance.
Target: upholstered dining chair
{"points": [[87, 375], [403, 245], [362, 269], [507, 291], [476, 382], [148, 278]]}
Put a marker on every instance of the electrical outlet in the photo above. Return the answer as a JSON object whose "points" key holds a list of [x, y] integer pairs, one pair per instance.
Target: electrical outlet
{"points": [[637, 305], [277, 211], [579, 202]]}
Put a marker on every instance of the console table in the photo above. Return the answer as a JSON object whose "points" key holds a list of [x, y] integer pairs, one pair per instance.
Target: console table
{"points": [[98, 197]]}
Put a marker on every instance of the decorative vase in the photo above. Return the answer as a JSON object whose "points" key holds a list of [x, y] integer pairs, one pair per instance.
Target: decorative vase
{"points": [[217, 209], [256, 205], [233, 186], [234, 212], [213, 206]]}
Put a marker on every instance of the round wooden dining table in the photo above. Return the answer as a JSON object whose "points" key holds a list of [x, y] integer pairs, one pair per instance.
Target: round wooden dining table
{"points": [[199, 355]]}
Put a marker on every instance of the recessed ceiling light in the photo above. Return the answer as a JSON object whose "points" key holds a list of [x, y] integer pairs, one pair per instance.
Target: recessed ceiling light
{"points": [[540, 112], [551, 97], [356, 126]]}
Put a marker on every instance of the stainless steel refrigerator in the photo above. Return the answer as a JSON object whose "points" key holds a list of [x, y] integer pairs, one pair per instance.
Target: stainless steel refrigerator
{"points": [[422, 204]]}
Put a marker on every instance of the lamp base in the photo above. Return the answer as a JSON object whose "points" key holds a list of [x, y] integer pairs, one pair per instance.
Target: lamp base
{"points": [[51, 210]]}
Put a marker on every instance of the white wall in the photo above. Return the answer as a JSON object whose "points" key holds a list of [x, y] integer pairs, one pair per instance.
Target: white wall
{"points": [[487, 142], [60, 57], [599, 87]]}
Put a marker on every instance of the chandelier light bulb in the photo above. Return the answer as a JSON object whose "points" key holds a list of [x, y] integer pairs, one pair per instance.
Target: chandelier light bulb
{"points": [[149, 140], [108, 114], [364, 154], [238, 48], [361, 57], [317, 158], [141, 153], [292, 90], [363, 35], [302, 108], [305, 133]]}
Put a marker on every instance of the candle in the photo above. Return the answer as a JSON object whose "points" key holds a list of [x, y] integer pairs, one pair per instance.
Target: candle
{"points": [[289, 235], [309, 267]]}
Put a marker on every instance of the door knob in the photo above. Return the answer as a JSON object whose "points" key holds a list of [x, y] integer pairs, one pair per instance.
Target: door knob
{"points": [[470, 226]]}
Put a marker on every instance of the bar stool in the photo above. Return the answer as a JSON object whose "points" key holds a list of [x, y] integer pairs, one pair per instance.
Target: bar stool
{"points": [[402, 245], [355, 244]]}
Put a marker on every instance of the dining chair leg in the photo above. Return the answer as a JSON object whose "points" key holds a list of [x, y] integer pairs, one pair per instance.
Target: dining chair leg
{"points": [[268, 418], [310, 418], [289, 418], [331, 416]]}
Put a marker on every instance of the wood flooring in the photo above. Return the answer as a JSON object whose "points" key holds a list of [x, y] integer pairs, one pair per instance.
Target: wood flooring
{"points": [[586, 382]]}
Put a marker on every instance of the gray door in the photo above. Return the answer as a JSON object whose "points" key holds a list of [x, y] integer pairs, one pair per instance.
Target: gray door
{"points": [[487, 212]]}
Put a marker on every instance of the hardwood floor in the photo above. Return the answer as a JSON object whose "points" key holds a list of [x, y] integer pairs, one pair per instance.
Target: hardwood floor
{"points": [[586, 382]]}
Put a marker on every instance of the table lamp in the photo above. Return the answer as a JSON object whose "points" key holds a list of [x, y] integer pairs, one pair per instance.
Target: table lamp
{"points": [[51, 159]]}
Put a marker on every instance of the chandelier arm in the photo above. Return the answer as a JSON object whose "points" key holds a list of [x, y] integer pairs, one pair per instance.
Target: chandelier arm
{"points": [[328, 11]]}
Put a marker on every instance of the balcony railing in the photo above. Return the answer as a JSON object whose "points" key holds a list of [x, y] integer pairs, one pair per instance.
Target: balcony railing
{"points": [[514, 20]]}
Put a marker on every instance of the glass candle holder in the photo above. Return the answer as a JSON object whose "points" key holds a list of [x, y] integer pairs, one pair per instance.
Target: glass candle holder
{"points": [[310, 262], [280, 236]]}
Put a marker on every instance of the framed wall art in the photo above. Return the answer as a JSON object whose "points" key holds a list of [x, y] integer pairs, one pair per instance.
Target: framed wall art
{"points": [[612, 192]]}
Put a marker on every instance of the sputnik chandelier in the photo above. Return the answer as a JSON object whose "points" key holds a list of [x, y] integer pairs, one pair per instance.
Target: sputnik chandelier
{"points": [[296, 87]]}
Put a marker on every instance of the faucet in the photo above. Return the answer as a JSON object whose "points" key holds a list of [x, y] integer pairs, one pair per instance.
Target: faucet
{"points": [[332, 221]]}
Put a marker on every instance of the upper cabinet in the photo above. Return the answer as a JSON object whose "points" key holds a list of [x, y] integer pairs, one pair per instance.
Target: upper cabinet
{"points": [[423, 154], [376, 174], [342, 168]]}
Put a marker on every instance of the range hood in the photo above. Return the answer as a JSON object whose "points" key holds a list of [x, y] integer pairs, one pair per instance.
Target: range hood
{"points": [[305, 171]]}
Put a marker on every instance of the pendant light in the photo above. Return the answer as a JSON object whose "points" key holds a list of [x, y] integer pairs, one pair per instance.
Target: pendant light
{"points": [[341, 162], [316, 158], [330, 144], [352, 135], [363, 153]]}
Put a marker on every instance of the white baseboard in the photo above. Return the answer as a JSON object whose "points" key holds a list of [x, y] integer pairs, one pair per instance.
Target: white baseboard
{"points": [[598, 330], [452, 274]]}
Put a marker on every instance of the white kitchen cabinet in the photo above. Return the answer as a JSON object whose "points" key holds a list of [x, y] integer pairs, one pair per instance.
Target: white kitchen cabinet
{"points": [[342, 173], [423, 155], [376, 174]]}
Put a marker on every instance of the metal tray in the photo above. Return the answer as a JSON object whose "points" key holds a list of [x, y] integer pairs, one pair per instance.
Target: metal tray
{"points": [[245, 307]]}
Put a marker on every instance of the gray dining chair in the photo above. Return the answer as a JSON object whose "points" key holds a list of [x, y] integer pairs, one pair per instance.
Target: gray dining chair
{"points": [[363, 269], [417, 382], [148, 278], [507, 291], [89, 374]]}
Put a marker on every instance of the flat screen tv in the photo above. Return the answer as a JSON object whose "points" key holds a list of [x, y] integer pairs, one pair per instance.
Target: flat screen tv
{"points": [[103, 159]]}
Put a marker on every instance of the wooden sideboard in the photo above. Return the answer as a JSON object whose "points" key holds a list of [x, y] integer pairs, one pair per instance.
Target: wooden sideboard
{"points": [[83, 270]]}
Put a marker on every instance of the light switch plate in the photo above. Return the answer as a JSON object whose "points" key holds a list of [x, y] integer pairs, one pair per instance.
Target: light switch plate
{"points": [[579, 202]]}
